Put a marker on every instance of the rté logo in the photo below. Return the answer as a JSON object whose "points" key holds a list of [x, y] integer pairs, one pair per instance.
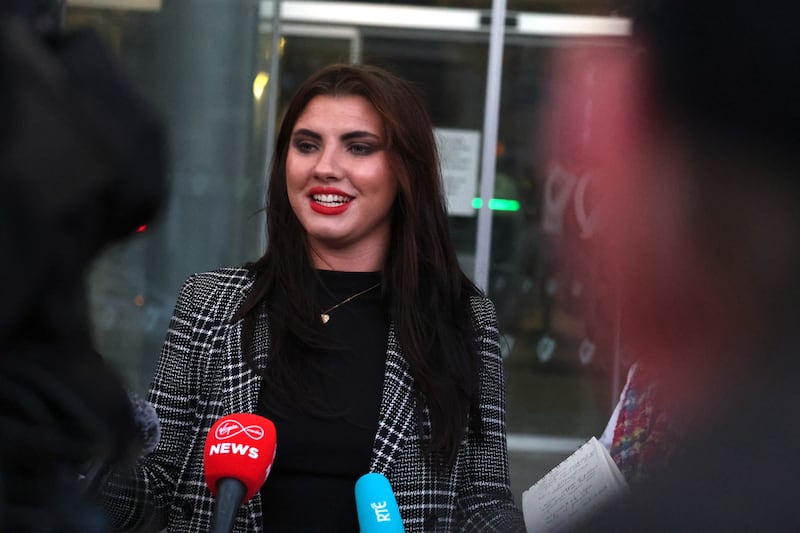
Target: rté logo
{"points": [[381, 512]]}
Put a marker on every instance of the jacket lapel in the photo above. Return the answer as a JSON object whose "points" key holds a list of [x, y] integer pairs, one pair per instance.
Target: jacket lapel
{"points": [[396, 418], [242, 384]]}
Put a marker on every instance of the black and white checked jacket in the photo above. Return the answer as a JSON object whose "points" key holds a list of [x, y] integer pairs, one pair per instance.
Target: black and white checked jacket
{"points": [[201, 376]]}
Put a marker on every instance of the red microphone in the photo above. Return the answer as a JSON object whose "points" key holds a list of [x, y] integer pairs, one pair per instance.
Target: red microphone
{"points": [[238, 456]]}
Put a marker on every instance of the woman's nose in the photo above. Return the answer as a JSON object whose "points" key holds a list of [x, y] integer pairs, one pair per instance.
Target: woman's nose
{"points": [[327, 165]]}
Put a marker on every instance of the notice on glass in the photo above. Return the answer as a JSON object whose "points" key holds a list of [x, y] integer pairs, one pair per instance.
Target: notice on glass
{"points": [[459, 152], [580, 485]]}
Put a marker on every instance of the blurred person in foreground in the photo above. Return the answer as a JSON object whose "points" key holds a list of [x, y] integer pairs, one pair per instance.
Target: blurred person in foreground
{"points": [[696, 149], [82, 165], [356, 333]]}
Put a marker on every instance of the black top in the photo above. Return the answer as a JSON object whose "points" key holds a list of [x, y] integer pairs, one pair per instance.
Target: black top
{"points": [[320, 455]]}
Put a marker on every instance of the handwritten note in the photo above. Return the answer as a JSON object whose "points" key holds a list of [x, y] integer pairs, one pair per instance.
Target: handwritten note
{"points": [[578, 486]]}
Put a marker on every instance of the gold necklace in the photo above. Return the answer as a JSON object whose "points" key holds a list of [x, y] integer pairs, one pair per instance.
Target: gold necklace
{"points": [[324, 316]]}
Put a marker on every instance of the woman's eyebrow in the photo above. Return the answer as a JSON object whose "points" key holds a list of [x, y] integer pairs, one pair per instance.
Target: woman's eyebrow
{"points": [[350, 135], [307, 133], [359, 134]]}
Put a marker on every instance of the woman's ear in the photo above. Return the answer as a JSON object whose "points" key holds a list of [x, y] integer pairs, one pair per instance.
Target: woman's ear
{"points": [[603, 123], [596, 126], [597, 100]]}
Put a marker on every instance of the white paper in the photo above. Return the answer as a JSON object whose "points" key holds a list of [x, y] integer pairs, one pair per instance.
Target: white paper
{"points": [[581, 484], [459, 154]]}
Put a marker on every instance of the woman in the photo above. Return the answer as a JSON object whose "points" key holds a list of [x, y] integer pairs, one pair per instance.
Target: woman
{"points": [[356, 333], [641, 435]]}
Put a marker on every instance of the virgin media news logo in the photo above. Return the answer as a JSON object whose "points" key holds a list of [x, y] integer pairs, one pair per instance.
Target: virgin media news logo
{"points": [[231, 428]]}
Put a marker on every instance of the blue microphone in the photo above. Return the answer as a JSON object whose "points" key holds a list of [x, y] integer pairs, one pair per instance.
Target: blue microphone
{"points": [[376, 505]]}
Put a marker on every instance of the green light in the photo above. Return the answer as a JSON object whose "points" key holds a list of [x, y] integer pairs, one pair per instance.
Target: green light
{"points": [[497, 204]]}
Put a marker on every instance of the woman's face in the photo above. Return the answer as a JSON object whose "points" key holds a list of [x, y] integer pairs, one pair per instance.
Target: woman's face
{"points": [[340, 183]]}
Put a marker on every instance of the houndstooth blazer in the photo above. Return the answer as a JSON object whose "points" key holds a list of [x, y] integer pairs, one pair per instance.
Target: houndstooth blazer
{"points": [[201, 376]]}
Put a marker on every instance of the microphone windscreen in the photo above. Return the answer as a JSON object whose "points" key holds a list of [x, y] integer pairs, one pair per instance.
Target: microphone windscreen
{"points": [[147, 422], [376, 505], [240, 446]]}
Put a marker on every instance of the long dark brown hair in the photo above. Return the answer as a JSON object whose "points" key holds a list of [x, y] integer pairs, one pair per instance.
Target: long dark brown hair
{"points": [[427, 293]]}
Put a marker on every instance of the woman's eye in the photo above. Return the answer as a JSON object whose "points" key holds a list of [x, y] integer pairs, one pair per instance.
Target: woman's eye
{"points": [[304, 146], [361, 149]]}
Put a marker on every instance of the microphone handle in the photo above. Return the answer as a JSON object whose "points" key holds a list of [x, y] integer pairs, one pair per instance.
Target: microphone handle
{"points": [[230, 493]]}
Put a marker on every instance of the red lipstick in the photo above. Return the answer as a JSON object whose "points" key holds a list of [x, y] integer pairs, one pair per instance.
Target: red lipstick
{"points": [[337, 201]]}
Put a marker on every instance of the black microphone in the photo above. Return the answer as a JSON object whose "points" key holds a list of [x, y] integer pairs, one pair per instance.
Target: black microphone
{"points": [[147, 422], [148, 428]]}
